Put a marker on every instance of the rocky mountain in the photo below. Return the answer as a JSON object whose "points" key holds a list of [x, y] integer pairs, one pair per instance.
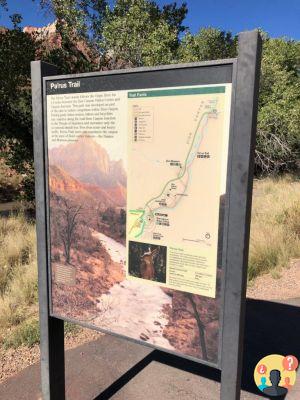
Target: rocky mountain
{"points": [[85, 166], [63, 184], [87, 161], [49, 38]]}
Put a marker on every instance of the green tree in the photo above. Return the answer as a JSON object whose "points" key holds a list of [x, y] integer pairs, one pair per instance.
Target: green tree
{"points": [[278, 133], [207, 44], [80, 18], [78, 23], [139, 33], [17, 49]]}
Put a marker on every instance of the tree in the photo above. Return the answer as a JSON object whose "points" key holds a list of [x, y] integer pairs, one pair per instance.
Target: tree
{"points": [[67, 225], [200, 325], [138, 32], [80, 18], [17, 49], [207, 44], [278, 133]]}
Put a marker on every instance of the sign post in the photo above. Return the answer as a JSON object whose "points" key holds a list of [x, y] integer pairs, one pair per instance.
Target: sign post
{"points": [[242, 160], [51, 329], [172, 253]]}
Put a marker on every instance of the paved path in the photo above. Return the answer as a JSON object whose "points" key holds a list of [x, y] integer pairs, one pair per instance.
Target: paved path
{"points": [[93, 367]]}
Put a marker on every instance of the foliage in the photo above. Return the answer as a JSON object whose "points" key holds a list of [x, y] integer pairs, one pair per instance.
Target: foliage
{"points": [[18, 284], [138, 32], [16, 51], [207, 44], [92, 35], [80, 18], [27, 334], [278, 134], [77, 22], [10, 183], [3, 4]]}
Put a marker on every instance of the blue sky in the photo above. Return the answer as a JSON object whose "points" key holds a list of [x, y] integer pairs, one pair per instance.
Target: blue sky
{"points": [[277, 17]]}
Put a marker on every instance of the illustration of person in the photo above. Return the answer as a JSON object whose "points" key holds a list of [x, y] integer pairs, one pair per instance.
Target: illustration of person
{"points": [[287, 383], [263, 384], [275, 389]]}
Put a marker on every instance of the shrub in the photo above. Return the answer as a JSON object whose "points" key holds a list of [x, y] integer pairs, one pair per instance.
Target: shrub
{"points": [[27, 334]]}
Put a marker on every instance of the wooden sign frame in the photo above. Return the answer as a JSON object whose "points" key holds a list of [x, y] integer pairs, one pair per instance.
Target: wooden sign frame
{"points": [[244, 76]]}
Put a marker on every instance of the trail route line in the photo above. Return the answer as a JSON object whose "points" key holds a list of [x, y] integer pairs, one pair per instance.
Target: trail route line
{"points": [[170, 194]]}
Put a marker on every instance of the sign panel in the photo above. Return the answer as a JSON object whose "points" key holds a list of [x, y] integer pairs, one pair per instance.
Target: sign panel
{"points": [[136, 183]]}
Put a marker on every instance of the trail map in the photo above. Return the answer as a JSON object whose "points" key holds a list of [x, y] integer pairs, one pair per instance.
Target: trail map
{"points": [[177, 160]]}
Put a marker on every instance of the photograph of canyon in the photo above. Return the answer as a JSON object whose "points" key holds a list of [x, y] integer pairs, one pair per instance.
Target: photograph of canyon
{"points": [[87, 194]]}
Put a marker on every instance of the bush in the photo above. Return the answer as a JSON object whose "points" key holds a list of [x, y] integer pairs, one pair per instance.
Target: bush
{"points": [[26, 334], [278, 130]]}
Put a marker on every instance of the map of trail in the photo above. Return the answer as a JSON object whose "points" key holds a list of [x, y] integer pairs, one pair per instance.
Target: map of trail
{"points": [[173, 189], [177, 160]]}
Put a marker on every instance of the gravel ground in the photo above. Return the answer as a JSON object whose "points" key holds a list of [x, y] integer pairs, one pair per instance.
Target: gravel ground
{"points": [[13, 361], [287, 286]]}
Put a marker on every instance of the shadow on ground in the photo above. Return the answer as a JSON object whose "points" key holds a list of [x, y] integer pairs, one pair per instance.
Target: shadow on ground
{"points": [[271, 328]]}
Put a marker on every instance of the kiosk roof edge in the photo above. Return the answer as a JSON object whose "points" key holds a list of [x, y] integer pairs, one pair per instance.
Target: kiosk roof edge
{"points": [[225, 61]]}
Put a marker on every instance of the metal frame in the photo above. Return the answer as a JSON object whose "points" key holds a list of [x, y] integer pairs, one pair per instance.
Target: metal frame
{"points": [[245, 73], [239, 189], [51, 329]]}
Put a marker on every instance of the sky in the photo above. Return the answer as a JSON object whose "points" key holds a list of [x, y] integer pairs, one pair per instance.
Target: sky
{"points": [[277, 17]]}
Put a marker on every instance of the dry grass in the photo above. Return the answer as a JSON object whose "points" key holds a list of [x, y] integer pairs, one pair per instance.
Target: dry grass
{"points": [[275, 225], [18, 284], [18, 273], [17, 242]]}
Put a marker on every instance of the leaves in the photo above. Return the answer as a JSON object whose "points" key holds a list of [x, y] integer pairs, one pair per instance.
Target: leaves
{"points": [[91, 35], [207, 44], [138, 33], [278, 133]]}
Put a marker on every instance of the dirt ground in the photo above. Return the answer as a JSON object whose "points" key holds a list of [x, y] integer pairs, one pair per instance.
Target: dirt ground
{"points": [[13, 361], [286, 286]]}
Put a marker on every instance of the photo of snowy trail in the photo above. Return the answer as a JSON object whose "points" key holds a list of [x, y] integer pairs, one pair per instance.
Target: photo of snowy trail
{"points": [[131, 308]]}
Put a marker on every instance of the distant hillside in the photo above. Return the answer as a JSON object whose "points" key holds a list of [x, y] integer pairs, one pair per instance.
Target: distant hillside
{"points": [[62, 184], [89, 162]]}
